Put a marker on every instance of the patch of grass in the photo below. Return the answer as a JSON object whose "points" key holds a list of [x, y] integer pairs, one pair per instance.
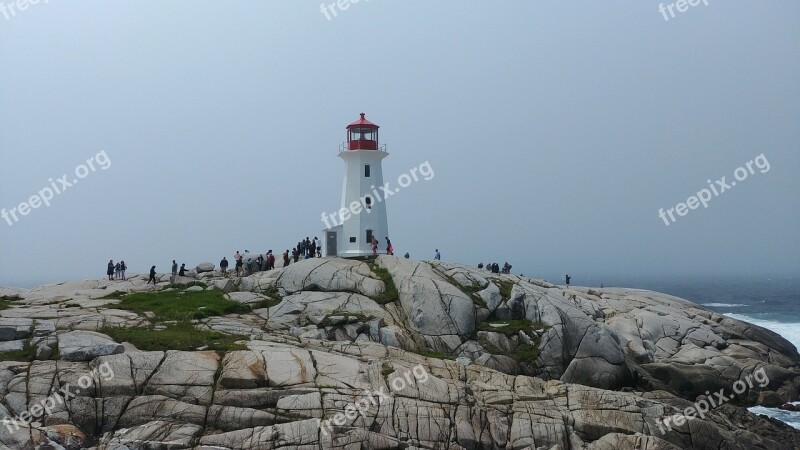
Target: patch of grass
{"points": [[390, 293], [470, 291], [348, 318], [434, 354], [505, 287], [7, 300], [182, 286], [181, 306], [386, 370], [512, 327], [116, 295], [181, 336], [27, 353], [523, 352], [526, 352]]}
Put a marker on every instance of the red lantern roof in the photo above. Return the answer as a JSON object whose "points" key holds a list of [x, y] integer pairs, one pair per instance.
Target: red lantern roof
{"points": [[362, 123]]}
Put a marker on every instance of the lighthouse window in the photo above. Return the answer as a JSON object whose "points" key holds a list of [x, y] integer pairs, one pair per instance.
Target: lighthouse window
{"points": [[366, 171], [368, 201], [352, 239], [369, 236]]}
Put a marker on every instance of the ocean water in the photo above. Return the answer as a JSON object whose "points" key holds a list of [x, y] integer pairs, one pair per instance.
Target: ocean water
{"points": [[772, 303]]}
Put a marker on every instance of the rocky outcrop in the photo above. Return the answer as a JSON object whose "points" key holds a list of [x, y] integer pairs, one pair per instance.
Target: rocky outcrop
{"points": [[337, 362]]}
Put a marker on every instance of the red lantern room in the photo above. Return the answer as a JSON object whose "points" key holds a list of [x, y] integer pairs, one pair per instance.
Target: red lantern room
{"points": [[362, 135]]}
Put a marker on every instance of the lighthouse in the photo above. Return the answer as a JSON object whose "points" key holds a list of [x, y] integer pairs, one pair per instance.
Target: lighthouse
{"points": [[363, 212]]}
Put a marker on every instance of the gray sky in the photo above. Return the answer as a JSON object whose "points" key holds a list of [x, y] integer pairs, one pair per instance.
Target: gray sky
{"points": [[556, 131]]}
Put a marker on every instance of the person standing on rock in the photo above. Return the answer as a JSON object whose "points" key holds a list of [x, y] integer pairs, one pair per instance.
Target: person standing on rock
{"points": [[260, 264], [239, 267], [152, 276], [286, 258], [389, 248], [567, 277], [318, 245], [270, 260], [374, 246], [122, 269], [116, 271], [295, 254], [174, 272], [110, 269], [437, 256], [237, 257], [223, 266]]}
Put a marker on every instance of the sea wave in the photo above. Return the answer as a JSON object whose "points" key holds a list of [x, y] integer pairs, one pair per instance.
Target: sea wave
{"points": [[724, 305], [789, 331], [792, 418]]}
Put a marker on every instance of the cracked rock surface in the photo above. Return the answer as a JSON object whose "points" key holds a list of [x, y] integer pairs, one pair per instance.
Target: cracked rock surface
{"points": [[337, 364]]}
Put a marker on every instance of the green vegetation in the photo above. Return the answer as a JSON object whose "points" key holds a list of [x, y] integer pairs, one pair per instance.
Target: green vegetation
{"points": [[273, 292], [390, 293], [470, 291], [181, 309], [181, 306], [526, 352], [348, 318], [510, 327], [181, 286], [181, 336], [116, 295], [6, 300], [505, 287], [434, 354], [386, 370], [27, 353], [523, 352]]}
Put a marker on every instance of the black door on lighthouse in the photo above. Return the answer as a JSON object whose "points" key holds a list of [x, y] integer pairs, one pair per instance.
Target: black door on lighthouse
{"points": [[330, 247]]}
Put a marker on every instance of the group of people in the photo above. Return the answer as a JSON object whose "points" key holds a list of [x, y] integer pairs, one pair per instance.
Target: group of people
{"points": [[306, 248], [245, 263], [495, 268], [389, 248], [116, 271]]}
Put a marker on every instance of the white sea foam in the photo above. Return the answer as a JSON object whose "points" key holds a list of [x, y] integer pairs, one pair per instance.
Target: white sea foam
{"points": [[724, 305], [792, 418], [790, 331]]}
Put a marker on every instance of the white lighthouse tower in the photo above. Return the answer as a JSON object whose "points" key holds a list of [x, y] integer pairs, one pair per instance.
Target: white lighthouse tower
{"points": [[363, 212]]}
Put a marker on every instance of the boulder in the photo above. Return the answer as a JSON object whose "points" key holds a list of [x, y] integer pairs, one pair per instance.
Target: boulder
{"points": [[204, 267], [86, 345]]}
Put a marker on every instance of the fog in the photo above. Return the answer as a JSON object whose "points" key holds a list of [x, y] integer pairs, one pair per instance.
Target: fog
{"points": [[557, 132]]}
